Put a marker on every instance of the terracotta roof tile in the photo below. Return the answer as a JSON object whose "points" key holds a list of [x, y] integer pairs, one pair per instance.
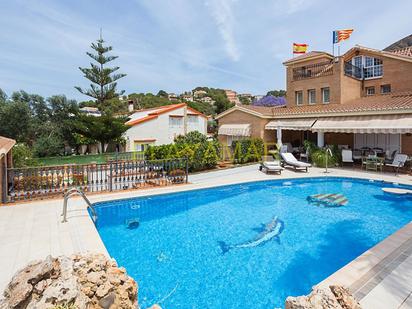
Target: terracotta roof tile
{"points": [[390, 102], [160, 110], [307, 55], [406, 51]]}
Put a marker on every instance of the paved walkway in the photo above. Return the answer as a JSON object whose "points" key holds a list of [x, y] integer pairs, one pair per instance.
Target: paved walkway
{"points": [[383, 277]]}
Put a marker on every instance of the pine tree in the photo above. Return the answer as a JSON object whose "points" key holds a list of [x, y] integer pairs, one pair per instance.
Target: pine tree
{"points": [[103, 80]]}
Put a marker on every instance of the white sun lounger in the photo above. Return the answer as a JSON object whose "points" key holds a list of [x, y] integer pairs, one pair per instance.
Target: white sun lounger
{"points": [[290, 160], [269, 164]]}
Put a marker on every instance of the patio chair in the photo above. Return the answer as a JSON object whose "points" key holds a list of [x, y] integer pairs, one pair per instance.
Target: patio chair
{"points": [[357, 155], [269, 164], [389, 158], [305, 155], [398, 162], [347, 156], [290, 160]]}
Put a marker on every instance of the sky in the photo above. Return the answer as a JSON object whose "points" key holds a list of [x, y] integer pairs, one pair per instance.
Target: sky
{"points": [[176, 45]]}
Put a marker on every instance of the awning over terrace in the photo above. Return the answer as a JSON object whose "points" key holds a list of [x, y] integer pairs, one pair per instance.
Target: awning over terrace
{"points": [[234, 129], [291, 124], [392, 124]]}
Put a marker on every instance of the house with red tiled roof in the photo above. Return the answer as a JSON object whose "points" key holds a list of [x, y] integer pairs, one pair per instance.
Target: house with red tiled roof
{"points": [[160, 125], [362, 99]]}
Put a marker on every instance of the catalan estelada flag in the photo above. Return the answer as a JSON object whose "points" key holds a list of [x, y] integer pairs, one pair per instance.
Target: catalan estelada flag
{"points": [[341, 35], [299, 48]]}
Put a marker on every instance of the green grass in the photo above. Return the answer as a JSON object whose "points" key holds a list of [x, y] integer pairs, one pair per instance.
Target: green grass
{"points": [[88, 159]]}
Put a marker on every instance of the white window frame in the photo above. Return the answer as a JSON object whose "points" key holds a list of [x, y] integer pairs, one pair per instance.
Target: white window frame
{"points": [[141, 145], [299, 102], [323, 95], [369, 64], [175, 122], [373, 92], [310, 92], [192, 120]]}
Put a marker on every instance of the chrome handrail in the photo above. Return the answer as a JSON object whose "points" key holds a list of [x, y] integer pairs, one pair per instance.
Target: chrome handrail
{"points": [[74, 191]]}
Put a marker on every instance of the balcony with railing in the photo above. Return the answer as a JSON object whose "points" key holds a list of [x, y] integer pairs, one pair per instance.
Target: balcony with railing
{"points": [[313, 70], [352, 70]]}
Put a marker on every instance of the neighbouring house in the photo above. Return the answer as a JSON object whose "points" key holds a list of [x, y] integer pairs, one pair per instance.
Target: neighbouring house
{"points": [[207, 100], [199, 93], [232, 96], [160, 125], [362, 99], [6, 161], [187, 97], [90, 111], [172, 96]]}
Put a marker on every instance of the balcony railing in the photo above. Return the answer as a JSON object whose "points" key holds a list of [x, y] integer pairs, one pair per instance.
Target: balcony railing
{"points": [[313, 70], [352, 70]]}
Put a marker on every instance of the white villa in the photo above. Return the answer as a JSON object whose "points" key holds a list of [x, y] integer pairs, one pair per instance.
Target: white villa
{"points": [[160, 125]]}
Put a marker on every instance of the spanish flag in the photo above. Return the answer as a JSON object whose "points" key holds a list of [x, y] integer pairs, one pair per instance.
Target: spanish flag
{"points": [[299, 48], [341, 35]]}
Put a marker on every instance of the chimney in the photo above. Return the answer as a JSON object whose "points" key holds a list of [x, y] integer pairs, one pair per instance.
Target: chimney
{"points": [[130, 106]]}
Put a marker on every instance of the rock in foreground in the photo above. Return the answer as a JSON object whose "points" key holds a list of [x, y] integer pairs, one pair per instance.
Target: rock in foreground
{"points": [[336, 297], [85, 281]]}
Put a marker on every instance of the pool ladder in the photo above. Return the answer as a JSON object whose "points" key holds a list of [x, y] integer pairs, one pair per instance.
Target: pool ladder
{"points": [[77, 191]]}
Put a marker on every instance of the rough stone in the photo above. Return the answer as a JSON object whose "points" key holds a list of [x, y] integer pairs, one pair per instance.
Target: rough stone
{"points": [[86, 281], [336, 297], [344, 297]]}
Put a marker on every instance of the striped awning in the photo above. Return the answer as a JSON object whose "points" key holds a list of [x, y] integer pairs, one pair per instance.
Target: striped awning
{"points": [[392, 124], [291, 124], [234, 129]]}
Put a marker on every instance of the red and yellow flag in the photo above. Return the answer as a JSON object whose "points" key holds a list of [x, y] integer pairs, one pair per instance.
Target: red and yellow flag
{"points": [[300, 48], [341, 35]]}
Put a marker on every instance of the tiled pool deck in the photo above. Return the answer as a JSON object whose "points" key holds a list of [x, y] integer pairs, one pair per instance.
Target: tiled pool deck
{"points": [[379, 278]]}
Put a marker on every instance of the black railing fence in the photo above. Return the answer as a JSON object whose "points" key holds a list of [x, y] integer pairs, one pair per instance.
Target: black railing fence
{"points": [[352, 70], [313, 70], [42, 182]]}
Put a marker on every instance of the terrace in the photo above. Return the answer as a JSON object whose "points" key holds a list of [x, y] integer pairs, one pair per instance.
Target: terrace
{"points": [[313, 70], [34, 230]]}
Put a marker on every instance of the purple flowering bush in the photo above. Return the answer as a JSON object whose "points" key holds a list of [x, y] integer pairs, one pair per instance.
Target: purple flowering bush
{"points": [[270, 100]]}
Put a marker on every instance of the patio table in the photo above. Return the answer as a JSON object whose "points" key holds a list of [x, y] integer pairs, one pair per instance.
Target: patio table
{"points": [[373, 163]]}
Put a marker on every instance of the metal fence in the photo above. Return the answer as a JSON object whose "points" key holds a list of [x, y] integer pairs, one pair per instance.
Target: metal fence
{"points": [[313, 70], [42, 182]]}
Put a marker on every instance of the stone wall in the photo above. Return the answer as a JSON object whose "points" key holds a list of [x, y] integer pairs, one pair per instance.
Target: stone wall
{"points": [[82, 281]]}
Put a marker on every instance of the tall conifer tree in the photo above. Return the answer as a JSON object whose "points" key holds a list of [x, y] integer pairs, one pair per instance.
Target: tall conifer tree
{"points": [[103, 79]]}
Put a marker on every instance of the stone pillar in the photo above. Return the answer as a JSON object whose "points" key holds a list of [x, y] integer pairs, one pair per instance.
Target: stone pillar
{"points": [[279, 136], [321, 139]]}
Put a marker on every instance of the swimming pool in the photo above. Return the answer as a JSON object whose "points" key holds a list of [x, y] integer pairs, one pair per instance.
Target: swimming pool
{"points": [[246, 245]]}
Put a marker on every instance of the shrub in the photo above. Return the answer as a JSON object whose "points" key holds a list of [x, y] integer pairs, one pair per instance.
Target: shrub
{"points": [[319, 158], [200, 153], [22, 156], [247, 150], [46, 146], [210, 157]]}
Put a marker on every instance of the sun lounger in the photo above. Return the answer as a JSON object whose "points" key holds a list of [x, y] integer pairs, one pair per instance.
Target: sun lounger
{"points": [[290, 160], [269, 164]]}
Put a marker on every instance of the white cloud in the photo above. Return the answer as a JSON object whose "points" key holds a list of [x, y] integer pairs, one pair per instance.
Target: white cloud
{"points": [[222, 12]]}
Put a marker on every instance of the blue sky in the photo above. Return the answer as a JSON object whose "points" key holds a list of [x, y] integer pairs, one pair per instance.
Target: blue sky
{"points": [[177, 45]]}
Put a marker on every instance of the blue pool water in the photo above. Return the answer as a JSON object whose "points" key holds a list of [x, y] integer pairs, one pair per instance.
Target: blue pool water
{"points": [[172, 244]]}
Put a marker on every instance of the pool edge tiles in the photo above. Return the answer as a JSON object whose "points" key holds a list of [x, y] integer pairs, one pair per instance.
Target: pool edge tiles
{"points": [[367, 270], [285, 182]]}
